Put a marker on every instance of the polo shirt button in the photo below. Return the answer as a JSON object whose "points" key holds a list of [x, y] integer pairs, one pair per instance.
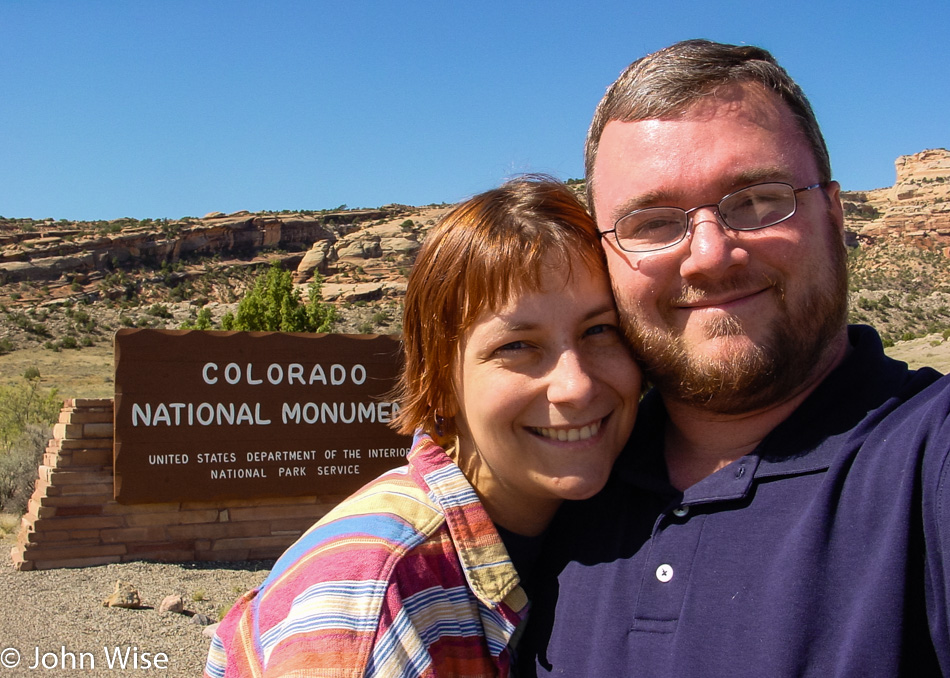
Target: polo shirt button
{"points": [[664, 573], [680, 511]]}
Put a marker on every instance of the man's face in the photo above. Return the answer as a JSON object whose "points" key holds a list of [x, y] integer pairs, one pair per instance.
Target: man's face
{"points": [[725, 320]]}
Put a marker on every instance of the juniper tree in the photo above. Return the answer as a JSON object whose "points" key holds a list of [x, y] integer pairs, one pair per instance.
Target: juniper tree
{"points": [[274, 304]]}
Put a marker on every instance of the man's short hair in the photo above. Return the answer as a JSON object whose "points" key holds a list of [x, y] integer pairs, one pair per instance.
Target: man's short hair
{"points": [[483, 252], [669, 81]]}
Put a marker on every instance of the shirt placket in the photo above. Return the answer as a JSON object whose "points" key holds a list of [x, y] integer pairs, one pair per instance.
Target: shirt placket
{"points": [[674, 549]]}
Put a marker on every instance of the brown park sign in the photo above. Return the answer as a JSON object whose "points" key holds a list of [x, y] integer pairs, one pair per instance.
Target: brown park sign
{"points": [[203, 415]]}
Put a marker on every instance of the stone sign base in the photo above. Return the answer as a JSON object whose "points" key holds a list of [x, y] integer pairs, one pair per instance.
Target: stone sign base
{"points": [[73, 521]]}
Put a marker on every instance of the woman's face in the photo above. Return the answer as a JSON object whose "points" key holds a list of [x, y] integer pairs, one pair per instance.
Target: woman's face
{"points": [[547, 394]]}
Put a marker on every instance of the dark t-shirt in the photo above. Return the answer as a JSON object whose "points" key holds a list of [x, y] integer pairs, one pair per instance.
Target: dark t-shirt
{"points": [[524, 552]]}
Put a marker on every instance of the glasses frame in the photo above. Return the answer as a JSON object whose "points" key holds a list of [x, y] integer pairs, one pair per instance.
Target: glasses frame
{"points": [[715, 205]]}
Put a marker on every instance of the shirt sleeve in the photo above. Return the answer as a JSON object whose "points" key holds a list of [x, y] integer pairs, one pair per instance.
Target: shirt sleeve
{"points": [[936, 519]]}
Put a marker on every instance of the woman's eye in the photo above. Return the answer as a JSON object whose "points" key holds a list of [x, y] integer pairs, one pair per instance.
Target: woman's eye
{"points": [[511, 346], [603, 328]]}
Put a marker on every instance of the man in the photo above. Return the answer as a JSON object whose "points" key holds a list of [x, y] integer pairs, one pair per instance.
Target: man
{"points": [[780, 509]]}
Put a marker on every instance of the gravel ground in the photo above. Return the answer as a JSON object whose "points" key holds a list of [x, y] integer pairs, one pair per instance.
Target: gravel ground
{"points": [[60, 612]]}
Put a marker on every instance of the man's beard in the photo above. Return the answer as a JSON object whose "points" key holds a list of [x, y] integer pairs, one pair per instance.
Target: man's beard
{"points": [[752, 377]]}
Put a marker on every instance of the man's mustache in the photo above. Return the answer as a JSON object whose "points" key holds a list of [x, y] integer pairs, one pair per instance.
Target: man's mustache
{"points": [[697, 293]]}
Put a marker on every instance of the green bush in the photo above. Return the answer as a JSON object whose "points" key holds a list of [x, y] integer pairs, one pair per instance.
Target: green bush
{"points": [[274, 305], [201, 322]]}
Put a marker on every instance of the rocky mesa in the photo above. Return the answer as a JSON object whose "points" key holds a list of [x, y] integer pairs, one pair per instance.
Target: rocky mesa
{"points": [[70, 284]]}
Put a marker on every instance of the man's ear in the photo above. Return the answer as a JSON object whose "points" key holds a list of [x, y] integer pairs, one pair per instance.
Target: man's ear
{"points": [[833, 191]]}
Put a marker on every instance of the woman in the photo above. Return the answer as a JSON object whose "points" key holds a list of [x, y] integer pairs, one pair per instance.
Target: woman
{"points": [[522, 393]]}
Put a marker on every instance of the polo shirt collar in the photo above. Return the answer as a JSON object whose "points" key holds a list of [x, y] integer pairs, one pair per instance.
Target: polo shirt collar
{"points": [[809, 439]]}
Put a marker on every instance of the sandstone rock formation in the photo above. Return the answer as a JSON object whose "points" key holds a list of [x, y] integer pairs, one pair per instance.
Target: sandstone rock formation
{"points": [[121, 271], [47, 256], [915, 209]]}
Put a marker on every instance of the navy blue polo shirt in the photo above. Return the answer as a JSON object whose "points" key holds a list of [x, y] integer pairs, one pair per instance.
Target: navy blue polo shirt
{"points": [[822, 553]]}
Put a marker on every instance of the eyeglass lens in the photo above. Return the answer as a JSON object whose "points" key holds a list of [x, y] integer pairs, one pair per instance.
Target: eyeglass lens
{"points": [[747, 209]]}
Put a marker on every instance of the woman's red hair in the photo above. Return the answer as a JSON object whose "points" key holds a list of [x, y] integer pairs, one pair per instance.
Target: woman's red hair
{"points": [[481, 253]]}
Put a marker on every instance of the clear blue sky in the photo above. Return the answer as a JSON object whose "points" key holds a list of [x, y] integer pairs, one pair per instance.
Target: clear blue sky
{"points": [[172, 108]]}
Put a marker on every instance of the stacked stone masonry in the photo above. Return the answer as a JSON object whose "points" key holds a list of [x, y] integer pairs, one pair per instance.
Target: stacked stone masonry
{"points": [[73, 521]]}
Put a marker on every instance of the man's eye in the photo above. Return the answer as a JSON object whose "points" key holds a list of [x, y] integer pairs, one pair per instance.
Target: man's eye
{"points": [[654, 225], [655, 230]]}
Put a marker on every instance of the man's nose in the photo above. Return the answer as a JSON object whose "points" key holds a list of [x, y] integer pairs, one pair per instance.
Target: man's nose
{"points": [[713, 247]]}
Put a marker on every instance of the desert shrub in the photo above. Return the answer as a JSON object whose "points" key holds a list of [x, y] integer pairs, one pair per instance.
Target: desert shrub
{"points": [[181, 292], [18, 468], [159, 311], [82, 319], [23, 321], [23, 404], [26, 414]]}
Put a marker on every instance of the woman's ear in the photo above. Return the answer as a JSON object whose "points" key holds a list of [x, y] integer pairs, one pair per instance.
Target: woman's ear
{"points": [[449, 409]]}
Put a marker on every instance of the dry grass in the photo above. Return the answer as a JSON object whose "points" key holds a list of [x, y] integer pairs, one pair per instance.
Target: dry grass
{"points": [[9, 525], [84, 373], [931, 351], [88, 373]]}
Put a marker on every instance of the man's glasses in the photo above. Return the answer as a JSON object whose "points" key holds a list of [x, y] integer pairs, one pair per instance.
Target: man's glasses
{"points": [[748, 209]]}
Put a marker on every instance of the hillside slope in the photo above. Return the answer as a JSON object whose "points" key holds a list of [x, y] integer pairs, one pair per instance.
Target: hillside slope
{"points": [[67, 286]]}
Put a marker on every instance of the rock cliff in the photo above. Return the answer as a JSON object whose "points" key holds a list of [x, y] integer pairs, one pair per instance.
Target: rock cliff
{"points": [[160, 273], [915, 209]]}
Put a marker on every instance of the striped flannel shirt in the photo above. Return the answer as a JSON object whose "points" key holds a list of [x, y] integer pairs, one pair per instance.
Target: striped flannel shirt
{"points": [[407, 577]]}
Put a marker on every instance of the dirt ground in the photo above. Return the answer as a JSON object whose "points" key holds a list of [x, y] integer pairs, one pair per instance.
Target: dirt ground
{"points": [[925, 352]]}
